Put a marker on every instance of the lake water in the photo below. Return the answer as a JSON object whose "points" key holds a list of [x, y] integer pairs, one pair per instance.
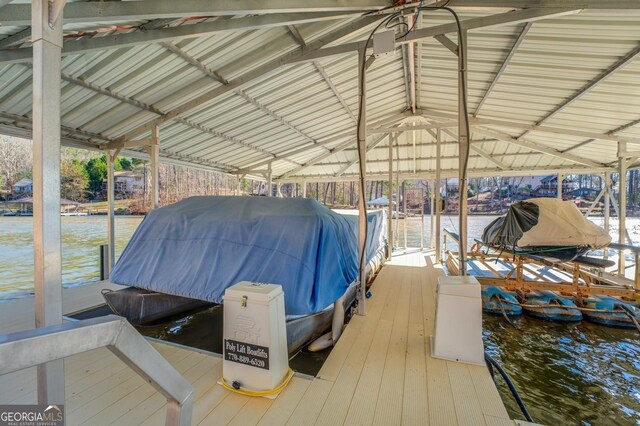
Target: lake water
{"points": [[570, 374]]}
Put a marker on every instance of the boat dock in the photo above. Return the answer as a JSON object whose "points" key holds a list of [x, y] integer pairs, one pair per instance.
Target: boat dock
{"points": [[380, 372]]}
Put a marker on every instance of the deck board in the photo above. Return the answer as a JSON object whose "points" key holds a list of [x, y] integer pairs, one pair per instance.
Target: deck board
{"points": [[380, 372]]}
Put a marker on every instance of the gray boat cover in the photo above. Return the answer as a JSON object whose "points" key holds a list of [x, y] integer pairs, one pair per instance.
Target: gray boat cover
{"points": [[544, 222], [198, 247]]}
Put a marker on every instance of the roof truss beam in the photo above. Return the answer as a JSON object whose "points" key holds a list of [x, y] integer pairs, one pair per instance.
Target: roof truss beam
{"points": [[374, 143], [481, 152], [626, 59], [182, 32], [508, 18], [581, 4], [150, 108], [253, 101], [503, 66], [537, 147], [17, 38], [297, 36], [486, 121], [113, 11], [351, 134], [611, 132], [260, 71]]}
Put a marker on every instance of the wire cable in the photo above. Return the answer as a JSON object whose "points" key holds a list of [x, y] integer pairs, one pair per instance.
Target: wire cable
{"points": [[235, 387], [512, 388], [361, 159]]}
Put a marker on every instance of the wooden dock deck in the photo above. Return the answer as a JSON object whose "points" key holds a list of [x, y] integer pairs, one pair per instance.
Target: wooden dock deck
{"points": [[380, 372]]}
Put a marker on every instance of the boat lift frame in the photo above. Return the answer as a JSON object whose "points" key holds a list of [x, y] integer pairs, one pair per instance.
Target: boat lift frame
{"points": [[583, 278]]}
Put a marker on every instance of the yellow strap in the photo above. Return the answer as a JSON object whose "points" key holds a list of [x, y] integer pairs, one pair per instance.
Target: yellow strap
{"points": [[248, 392]]}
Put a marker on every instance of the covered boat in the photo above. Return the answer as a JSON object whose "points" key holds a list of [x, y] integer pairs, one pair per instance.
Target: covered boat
{"points": [[198, 247], [545, 227]]}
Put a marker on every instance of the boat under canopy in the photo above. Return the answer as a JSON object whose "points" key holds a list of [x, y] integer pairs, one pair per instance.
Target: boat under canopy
{"points": [[546, 227], [200, 246]]}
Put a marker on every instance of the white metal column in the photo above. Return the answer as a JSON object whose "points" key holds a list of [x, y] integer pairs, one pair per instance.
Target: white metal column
{"points": [[111, 230], [607, 206], [154, 154], [304, 189], [560, 181], [622, 203], [404, 211], [269, 182], [239, 185], [463, 144], [390, 198], [437, 192], [46, 30]]}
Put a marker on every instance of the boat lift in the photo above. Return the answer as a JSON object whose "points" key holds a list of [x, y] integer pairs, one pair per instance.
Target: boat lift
{"points": [[582, 276]]}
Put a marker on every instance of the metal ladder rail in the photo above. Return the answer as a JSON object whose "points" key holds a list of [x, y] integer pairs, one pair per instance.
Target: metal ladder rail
{"points": [[40, 345]]}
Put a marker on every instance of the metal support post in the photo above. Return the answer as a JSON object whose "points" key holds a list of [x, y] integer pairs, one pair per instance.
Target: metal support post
{"points": [[463, 143], [304, 189], [560, 181], [432, 206], [421, 219], [404, 211], [111, 233], [239, 184], [622, 200], [46, 29], [390, 198], [278, 188], [154, 157], [396, 232], [607, 206], [437, 193], [362, 155], [269, 182]]}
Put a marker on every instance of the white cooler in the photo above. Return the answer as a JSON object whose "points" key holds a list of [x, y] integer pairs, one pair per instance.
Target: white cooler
{"points": [[458, 323], [255, 336]]}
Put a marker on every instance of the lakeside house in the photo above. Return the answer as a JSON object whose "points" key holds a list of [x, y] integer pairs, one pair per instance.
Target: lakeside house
{"points": [[24, 187], [126, 183]]}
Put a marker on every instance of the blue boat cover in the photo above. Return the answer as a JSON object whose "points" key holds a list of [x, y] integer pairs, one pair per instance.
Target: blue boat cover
{"points": [[200, 246]]}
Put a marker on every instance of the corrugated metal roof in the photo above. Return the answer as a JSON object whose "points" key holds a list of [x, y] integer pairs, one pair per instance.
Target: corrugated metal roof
{"points": [[300, 116]]}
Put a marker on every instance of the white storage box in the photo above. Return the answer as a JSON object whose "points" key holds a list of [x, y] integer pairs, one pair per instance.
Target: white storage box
{"points": [[458, 324], [255, 336]]}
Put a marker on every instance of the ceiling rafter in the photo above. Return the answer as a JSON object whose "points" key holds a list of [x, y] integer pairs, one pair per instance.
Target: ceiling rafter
{"points": [[314, 51], [258, 72], [503, 66], [481, 152], [317, 159], [632, 55], [16, 38], [610, 132], [488, 121], [374, 143], [84, 12], [150, 108], [512, 17], [350, 134], [453, 173], [297, 36], [537, 147], [244, 95], [121, 39]]}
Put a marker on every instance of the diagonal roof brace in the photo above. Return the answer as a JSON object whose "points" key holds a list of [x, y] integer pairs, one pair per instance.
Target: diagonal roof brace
{"points": [[537, 147]]}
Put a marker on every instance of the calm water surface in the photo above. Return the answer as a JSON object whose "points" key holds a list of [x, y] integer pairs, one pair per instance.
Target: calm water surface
{"points": [[81, 240], [568, 374]]}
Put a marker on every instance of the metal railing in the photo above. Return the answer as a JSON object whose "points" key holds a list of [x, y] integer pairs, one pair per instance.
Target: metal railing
{"points": [[40, 345]]}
